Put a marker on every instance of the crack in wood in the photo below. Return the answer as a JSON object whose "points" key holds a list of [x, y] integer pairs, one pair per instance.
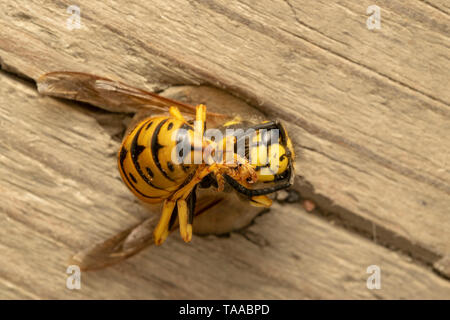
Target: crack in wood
{"points": [[269, 31], [364, 227]]}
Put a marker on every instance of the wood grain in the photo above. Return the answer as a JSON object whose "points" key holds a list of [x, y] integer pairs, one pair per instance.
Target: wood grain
{"points": [[367, 110]]}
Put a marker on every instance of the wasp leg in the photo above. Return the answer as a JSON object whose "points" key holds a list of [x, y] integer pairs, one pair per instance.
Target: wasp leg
{"points": [[173, 219], [191, 201], [261, 201], [162, 229], [202, 172], [242, 172], [258, 200], [175, 112], [183, 220], [200, 116], [188, 207], [199, 129], [220, 182], [185, 199]]}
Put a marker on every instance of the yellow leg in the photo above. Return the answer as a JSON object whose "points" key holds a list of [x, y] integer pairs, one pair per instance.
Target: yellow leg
{"points": [[189, 232], [199, 129], [174, 112], [261, 201], [220, 182], [183, 220], [179, 198], [202, 172], [200, 115], [162, 229]]}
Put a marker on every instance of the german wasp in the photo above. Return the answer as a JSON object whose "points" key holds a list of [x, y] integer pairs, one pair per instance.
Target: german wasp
{"points": [[166, 156]]}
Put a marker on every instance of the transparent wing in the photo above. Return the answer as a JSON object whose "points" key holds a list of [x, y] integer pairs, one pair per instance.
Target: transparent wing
{"points": [[132, 240], [110, 95], [117, 248]]}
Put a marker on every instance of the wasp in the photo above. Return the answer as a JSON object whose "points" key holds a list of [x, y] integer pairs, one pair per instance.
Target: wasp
{"points": [[169, 152]]}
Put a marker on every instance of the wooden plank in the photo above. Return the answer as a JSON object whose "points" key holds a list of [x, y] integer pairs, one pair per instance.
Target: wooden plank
{"points": [[368, 110], [61, 192]]}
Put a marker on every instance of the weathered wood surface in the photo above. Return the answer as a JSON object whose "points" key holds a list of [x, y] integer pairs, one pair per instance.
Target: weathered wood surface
{"points": [[286, 253], [368, 112]]}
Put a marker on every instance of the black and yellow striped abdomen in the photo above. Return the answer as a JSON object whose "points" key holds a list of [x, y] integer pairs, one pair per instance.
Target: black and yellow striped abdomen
{"points": [[145, 158]]}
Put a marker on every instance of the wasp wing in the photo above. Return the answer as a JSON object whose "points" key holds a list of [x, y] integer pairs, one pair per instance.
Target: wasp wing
{"points": [[110, 95], [131, 241], [117, 248]]}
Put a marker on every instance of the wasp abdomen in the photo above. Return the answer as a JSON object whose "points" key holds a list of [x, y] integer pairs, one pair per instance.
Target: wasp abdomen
{"points": [[146, 161]]}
